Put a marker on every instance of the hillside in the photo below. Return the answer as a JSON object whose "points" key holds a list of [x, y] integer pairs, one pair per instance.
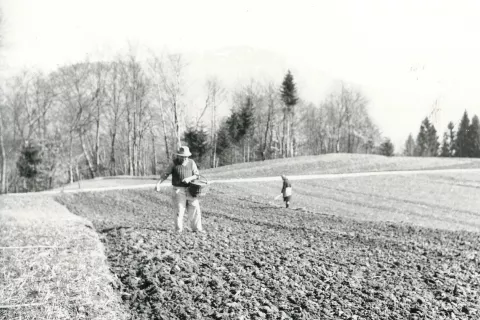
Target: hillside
{"points": [[337, 163]]}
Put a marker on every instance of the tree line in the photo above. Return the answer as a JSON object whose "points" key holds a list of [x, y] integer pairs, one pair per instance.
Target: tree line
{"points": [[128, 116], [461, 142]]}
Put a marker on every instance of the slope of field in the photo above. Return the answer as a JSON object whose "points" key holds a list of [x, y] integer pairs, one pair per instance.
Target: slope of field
{"points": [[440, 200], [337, 163], [258, 260], [322, 164]]}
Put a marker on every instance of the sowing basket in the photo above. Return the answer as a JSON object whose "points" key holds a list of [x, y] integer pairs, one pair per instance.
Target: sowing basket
{"points": [[199, 187]]}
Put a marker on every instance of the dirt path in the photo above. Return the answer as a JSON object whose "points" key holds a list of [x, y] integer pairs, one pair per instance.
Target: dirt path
{"points": [[121, 184]]}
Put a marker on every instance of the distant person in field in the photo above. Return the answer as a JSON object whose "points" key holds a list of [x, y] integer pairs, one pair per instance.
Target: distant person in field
{"points": [[286, 191], [183, 171]]}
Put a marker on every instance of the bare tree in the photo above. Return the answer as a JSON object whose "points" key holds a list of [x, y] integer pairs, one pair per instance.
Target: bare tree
{"points": [[116, 106], [78, 97], [215, 97], [171, 75], [272, 100], [144, 119], [31, 95], [167, 76], [3, 177], [152, 136], [344, 121], [99, 75], [3, 188], [137, 112], [155, 67]]}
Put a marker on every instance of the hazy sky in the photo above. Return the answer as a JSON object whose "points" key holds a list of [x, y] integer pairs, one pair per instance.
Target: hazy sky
{"points": [[404, 55]]}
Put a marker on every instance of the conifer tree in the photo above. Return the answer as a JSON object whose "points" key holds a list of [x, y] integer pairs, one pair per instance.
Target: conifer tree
{"points": [[462, 144], [27, 164], [445, 151], [422, 139], [197, 141], [451, 142], [409, 146], [432, 141], [289, 97], [387, 148], [474, 138]]}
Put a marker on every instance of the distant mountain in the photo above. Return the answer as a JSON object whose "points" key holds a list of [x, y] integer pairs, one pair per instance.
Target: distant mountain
{"points": [[236, 66]]}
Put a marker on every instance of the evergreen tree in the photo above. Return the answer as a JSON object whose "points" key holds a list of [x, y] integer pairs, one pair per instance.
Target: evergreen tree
{"points": [[239, 126], [224, 141], [474, 138], [445, 151], [246, 118], [247, 122], [224, 144], [197, 141], [234, 126], [288, 93], [27, 164], [51, 162], [451, 144], [369, 146], [462, 144], [422, 144], [409, 146], [387, 148], [432, 141]]}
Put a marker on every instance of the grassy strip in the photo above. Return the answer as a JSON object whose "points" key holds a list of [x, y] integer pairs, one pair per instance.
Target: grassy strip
{"points": [[52, 265], [322, 164], [336, 163]]}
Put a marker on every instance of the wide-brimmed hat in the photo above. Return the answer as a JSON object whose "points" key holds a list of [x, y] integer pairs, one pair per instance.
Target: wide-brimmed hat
{"points": [[183, 151]]}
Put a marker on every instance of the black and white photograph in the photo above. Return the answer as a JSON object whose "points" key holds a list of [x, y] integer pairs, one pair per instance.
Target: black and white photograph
{"points": [[239, 160]]}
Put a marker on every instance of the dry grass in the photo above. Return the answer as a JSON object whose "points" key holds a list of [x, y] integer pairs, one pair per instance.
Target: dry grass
{"points": [[336, 163], [52, 264], [108, 182]]}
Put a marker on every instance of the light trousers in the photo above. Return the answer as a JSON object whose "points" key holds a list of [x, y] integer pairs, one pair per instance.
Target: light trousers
{"points": [[183, 200]]}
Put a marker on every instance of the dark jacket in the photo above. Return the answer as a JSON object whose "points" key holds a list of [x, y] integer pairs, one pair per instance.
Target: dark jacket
{"points": [[180, 172], [286, 184]]}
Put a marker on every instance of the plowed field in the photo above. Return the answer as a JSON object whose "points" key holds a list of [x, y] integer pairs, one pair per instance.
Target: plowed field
{"points": [[336, 259]]}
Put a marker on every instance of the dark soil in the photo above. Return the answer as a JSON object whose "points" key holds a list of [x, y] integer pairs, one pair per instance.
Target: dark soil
{"points": [[259, 261]]}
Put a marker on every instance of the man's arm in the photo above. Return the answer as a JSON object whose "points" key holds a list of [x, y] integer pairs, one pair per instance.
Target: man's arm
{"points": [[195, 171], [164, 176], [166, 173]]}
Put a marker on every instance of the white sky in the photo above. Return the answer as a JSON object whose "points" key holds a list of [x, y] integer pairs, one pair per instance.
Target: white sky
{"points": [[405, 55]]}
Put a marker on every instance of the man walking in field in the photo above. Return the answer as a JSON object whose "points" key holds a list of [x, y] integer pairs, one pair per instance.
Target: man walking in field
{"points": [[183, 171]]}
